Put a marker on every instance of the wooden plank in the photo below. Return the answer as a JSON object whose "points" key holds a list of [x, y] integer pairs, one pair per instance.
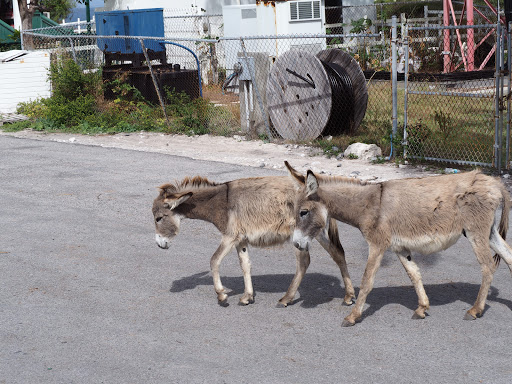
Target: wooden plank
{"points": [[6, 118]]}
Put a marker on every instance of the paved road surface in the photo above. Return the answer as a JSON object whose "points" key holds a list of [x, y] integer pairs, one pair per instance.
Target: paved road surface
{"points": [[86, 296]]}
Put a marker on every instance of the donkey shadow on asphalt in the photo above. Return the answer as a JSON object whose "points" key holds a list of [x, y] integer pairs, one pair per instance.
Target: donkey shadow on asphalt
{"points": [[317, 289]]}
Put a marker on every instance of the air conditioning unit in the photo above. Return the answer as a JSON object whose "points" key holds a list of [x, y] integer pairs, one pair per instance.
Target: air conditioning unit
{"points": [[304, 10]]}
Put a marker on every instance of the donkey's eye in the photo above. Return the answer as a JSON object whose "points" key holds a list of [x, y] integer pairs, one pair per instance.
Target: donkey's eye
{"points": [[303, 212], [159, 218]]}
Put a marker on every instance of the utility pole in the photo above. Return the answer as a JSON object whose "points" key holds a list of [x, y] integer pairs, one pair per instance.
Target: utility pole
{"points": [[88, 16]]}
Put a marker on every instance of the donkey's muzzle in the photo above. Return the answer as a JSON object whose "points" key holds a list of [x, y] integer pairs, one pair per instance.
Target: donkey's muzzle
{"points": [[162, 242]]}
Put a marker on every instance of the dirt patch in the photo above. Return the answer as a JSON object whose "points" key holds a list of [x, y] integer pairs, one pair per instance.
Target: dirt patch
{"points": [[236, 150]]}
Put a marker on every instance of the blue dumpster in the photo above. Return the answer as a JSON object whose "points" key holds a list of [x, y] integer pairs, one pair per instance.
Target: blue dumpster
{"points": [[137, 22]]}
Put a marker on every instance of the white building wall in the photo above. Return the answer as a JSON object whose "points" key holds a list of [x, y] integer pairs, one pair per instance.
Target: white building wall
{"points": [[212, 7], [269, 20], [24, 79]]}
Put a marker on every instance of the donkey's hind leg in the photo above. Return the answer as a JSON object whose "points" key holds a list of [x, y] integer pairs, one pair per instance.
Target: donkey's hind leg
{"points": [[501, 247], [223, 249], [414, 274], [303, 260], [481, 247], [335, 249], [243, 256]]}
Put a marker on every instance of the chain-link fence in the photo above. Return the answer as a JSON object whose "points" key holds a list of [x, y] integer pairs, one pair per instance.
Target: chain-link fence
{"points": [[238, 75], [453, 108], [301, 87]]}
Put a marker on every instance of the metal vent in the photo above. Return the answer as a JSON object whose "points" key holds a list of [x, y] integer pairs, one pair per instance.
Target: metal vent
{"points": [[249, 13], [293, 11], [316, 9], [304, 10]]}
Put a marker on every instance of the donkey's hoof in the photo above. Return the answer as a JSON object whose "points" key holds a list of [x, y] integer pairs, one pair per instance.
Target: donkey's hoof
{"points": [[246, 301], [417, 316], [347, 323], [281, 305], [223, 303], [469, 316], [348, 302]]}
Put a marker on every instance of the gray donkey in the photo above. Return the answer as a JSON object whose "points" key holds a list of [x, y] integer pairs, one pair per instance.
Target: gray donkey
{"points": [[253, 211], [423, 215]]}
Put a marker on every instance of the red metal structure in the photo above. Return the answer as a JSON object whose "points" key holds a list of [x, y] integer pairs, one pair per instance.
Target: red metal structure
{"points": [[467, 49]]}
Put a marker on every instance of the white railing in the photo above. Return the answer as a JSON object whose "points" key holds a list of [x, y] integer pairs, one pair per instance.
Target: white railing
{"points": [[78, 25]]}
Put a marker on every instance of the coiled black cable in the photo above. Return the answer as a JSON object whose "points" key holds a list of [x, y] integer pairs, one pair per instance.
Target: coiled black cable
{"points": [[343, 100]]}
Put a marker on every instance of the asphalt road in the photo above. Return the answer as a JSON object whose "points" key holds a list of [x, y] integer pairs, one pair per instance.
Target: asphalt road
{"points": [[86, 296]]}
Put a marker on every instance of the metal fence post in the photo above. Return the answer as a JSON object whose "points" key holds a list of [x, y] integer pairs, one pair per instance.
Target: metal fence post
{"points": [[73, 50], [425, 13], [405, 44], [509, 65], [502, 86], [157, 88], [497, 154], [258, 95], [394, 83]]}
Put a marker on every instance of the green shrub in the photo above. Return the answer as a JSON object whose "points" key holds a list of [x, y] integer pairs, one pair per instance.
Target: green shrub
{"points": [[68, 112], [125, 92], [17, 126], [78, 105], [186, 115], [33, 109], [69, 81], [444, 123]]}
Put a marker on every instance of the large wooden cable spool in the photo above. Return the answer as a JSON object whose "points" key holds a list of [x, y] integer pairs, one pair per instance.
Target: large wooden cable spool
{"points": [[298, 96], [308, 96]]}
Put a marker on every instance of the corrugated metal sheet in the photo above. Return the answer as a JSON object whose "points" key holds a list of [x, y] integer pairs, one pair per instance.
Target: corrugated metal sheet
{"points": [[11, 55]]}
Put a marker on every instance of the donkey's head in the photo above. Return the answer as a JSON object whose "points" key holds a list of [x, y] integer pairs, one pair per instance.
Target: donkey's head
{"points": [[167, 219], [311, 215]]}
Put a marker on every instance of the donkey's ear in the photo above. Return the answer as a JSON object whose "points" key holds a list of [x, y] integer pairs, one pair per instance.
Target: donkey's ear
{"points": [[165, 190], [176, 201], [311, 183], [299, 179]]}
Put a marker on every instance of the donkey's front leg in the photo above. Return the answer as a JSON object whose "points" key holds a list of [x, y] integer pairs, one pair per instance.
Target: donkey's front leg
{"points": [[335, 249], [302, 265], [225, 246], [372, 265], [243, 257]]}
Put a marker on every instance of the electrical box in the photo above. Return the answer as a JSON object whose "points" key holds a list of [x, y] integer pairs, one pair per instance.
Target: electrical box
{"points": [[248, 68]]}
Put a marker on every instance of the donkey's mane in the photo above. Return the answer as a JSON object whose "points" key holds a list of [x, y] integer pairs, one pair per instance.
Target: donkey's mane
{"points": [[196, 182], [324, 179]]}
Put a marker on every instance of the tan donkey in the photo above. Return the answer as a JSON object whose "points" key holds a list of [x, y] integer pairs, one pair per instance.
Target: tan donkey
{"points": [[252, 211], [423, 215]]}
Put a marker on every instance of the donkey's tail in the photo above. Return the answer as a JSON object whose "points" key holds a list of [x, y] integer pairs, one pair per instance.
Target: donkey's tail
{"points": [[334, 235], [504, 219]]}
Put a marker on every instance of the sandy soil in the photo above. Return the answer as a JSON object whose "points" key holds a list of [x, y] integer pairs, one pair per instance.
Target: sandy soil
{"points": [[235, 150]]}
